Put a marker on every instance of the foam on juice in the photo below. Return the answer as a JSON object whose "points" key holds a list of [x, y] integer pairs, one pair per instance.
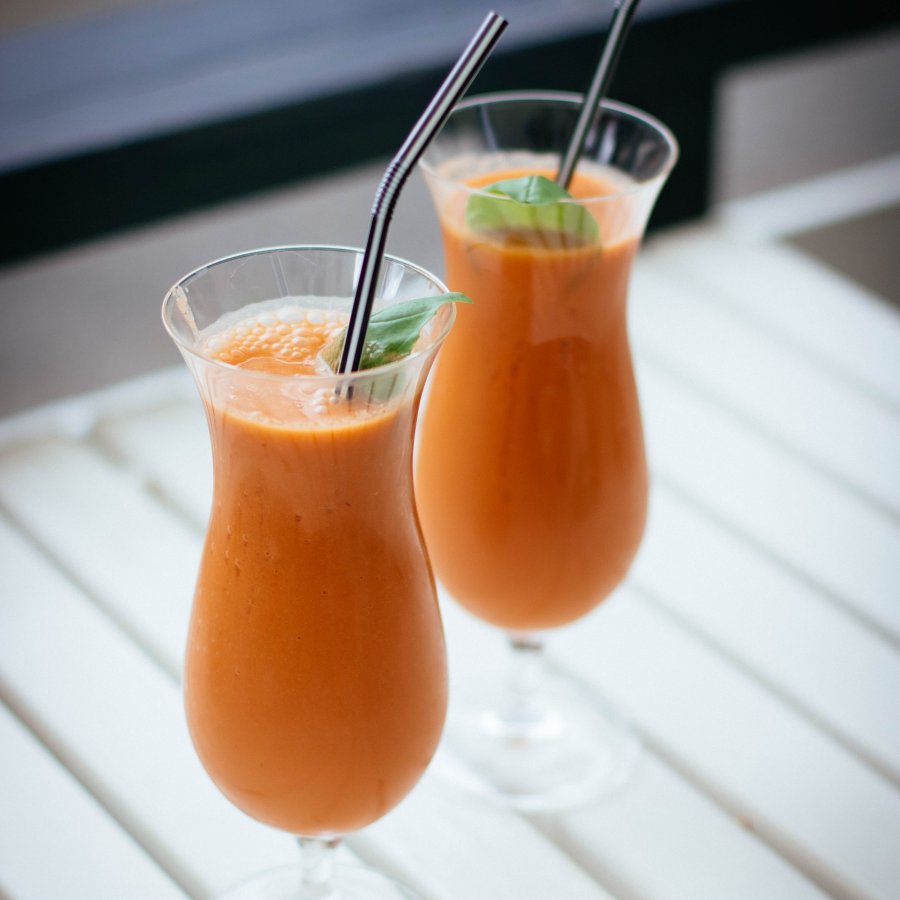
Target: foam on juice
{"points": [[274, 337]]}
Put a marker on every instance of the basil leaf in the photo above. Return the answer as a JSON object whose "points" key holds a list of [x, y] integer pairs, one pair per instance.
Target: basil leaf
{"points": [[392, 331], [530, 204]]}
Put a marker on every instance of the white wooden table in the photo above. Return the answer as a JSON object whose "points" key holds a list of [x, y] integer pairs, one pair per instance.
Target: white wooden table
{"points": [[755, 646]]}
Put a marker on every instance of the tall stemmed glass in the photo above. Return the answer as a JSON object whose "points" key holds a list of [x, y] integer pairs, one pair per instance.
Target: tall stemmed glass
{"points": [[315, 678], [531, 477]]}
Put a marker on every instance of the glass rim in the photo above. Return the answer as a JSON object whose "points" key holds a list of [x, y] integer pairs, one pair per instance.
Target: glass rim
{"points": [[334, 377], [564, 98]]}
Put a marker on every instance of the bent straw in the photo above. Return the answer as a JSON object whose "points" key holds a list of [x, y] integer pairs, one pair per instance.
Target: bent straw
{"points": [[430, 122], [600, 82]]}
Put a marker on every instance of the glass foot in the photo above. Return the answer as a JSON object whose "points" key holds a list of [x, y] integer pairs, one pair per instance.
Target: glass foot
{"points": [[566, 750], [348, 883]]}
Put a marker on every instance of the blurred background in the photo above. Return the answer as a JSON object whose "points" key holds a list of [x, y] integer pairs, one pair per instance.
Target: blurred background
{"points": [[140, 138]]}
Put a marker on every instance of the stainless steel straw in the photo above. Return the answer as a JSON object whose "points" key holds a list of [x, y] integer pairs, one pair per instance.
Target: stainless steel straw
{"points": [[600, 82], [431, 121]]}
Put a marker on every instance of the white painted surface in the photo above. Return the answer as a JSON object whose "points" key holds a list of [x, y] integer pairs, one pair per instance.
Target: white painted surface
{"points": [[57, 840], [755, 646]]}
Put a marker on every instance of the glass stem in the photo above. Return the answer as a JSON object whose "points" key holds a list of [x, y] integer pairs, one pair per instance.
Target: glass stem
{"points": [[317, 860], [524, 705]]}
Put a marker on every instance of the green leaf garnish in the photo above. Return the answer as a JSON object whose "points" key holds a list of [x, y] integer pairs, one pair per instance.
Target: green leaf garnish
{"points": [[392, 332], [536, 209]]}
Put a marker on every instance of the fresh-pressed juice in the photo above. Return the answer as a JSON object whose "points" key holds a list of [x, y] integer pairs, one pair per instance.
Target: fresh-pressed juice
{"points": [[531, 477], [315, 677]]}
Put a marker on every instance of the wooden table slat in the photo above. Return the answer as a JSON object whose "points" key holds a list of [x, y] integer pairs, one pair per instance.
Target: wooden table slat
{"points": [[750, 752], [437, 840], [116, 718], [798, 403], [97, 520], [56, 840], [168, 448], [829, 535], [662, 838], [795, 299], [773, 623]]}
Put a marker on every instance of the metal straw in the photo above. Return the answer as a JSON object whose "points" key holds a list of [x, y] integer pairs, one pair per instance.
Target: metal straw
{"points": [[608, 59], [431, 121]]}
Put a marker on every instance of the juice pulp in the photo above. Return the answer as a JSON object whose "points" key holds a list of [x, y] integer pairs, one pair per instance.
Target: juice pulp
{"points": [[531, 477], [315, 678]]}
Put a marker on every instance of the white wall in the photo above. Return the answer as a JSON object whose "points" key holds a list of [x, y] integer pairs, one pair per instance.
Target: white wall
{"points": [[807, 114]]}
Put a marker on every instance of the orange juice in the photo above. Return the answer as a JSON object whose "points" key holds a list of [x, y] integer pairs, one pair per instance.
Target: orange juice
{"points": [[315, 678], [531, 477]]}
